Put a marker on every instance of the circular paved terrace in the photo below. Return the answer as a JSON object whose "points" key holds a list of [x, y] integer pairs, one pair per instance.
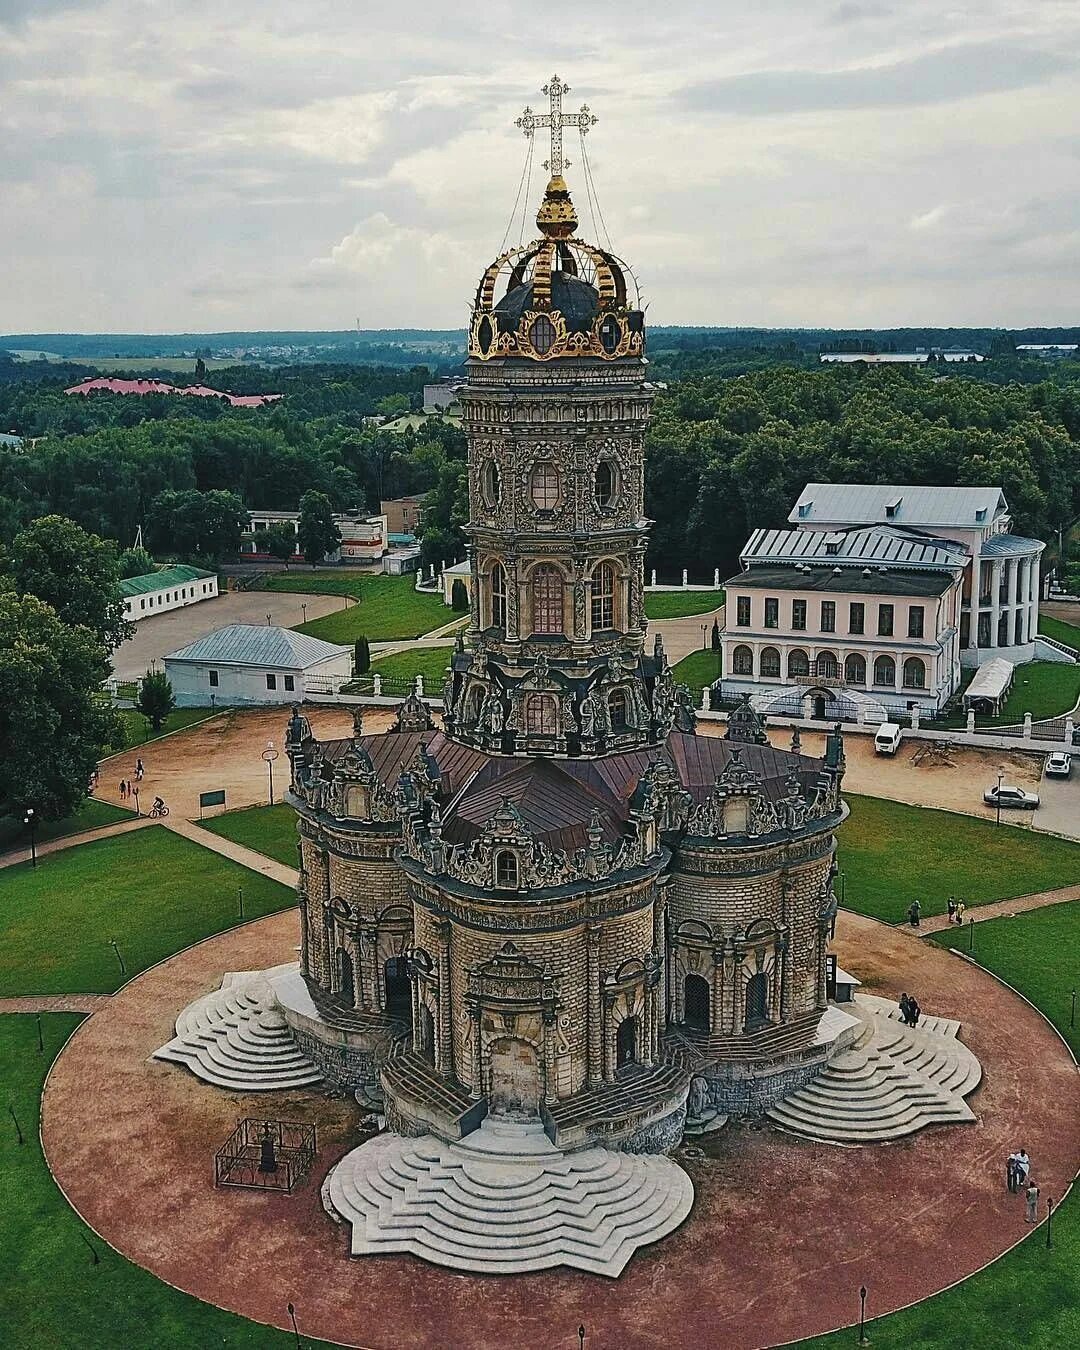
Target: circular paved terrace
{"points": [[781, 1235]]}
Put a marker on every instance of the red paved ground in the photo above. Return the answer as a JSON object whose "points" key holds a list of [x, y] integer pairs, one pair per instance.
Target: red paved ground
{"points": [[782, 1233]]}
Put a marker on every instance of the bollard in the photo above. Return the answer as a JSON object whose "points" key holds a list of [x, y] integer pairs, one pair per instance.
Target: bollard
{"points": [[685, 576], [652, 577], [1027, 726], [971, 722], [419, 686], [376, 682]]}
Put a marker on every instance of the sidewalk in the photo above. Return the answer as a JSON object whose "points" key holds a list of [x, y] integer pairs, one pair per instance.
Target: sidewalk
{"points": [[47, 1003], [246, 857], [998, 909], [21, 855]]}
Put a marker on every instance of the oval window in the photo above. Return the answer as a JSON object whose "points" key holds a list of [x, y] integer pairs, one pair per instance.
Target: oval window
{"points": [[544, 486], [542, 335], [604, 483], [492, 483], [609, 334], [485, 335]]}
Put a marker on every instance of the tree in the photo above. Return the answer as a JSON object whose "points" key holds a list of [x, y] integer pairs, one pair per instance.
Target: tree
{"points": [[53, 723], [73, 571], [318, 533], [134, 562], [155, 700], [280, 541], [459, 596], [208, 525], [361, 656]]}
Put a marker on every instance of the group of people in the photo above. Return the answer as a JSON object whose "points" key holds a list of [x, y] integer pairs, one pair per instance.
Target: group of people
{"points": [[1018, 1178], [127, 785], [910, 1012], [956, 910]]}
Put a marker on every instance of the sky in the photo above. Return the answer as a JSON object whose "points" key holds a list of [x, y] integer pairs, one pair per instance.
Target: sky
{"points": [[849, 163]]}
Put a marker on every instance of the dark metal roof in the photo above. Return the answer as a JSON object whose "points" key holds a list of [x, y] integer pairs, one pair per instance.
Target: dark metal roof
{"points": [[576, 301], [893, 581]]}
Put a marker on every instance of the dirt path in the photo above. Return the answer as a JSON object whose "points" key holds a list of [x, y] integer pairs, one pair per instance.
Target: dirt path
{"points": [[683, 636], [239, 853], [46, 1003], [998, 909], [134, 1157]]}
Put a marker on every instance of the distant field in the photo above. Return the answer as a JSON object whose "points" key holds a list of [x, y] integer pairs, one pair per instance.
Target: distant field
{"points": [[178, 364]]}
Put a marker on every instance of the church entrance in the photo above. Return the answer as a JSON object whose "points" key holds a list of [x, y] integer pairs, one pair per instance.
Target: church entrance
{"points": [[757, 1000], [515, 1078], [821, 707], [347, 986], [398, 988], [626, 1042], [696, 1002], [426, 1036]]}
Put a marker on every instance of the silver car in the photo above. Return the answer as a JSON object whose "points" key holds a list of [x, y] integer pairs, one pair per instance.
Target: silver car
{"points": [[1007, 794], [1058, 764]]}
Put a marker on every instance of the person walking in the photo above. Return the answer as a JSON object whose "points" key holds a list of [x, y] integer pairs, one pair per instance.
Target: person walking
{"points": [[960, 908], [914, 913], [1012, 1174], [139, 771], [916, 1012], [905, 1008], [952, 909], [123, 789], [1032, 1197], [1023, 1167]]}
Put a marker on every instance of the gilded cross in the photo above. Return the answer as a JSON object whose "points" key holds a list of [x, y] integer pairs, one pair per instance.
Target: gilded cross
{"points": [[556, 119]]}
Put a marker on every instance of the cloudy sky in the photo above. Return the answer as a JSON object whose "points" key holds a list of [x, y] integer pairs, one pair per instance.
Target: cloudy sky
{"points": [[197, 165]]}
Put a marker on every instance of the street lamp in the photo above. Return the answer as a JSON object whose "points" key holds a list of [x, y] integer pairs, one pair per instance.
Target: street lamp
{"points": [[269, 755], [997, 797], [135, 794], [30, 821], [268, 618], [303, 606], [704, 644]]}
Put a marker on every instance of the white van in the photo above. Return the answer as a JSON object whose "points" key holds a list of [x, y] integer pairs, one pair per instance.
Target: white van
{"points": [[887, 739]]}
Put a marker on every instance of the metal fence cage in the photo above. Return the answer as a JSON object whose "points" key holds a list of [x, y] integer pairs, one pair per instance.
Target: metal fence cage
{"points": [[237, 1162]]}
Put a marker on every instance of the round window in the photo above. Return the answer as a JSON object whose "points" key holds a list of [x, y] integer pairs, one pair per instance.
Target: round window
{"points": [[604, 483], [492, 483], [544, 486], [542, 334]]}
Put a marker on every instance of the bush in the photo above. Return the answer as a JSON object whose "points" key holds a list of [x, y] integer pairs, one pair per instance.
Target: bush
{"points": [[459, 597], [361, 656]]}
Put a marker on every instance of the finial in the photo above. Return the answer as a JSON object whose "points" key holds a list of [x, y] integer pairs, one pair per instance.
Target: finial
{"points": [[557, 218]]}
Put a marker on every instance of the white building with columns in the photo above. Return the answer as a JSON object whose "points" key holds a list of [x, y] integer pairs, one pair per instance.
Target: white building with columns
{"points": [[999, 614]]}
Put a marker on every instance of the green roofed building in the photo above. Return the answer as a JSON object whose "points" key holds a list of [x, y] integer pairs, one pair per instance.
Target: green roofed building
{"points": [[169, 588]]}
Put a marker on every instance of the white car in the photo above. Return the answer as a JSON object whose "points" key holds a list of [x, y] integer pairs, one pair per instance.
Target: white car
{"points": [[1058, 764], [1007, 794]]}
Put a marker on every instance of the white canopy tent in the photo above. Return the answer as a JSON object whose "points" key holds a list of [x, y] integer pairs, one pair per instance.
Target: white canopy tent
{"points": [[991, 684]]}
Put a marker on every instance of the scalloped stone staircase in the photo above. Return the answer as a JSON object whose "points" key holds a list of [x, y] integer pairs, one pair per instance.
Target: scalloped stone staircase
{"points": [[892, 1081], [504, 1200], [237, 1038]]}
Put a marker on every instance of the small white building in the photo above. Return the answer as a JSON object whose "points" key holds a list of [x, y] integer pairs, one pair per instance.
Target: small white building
{"points": [[459, 572], [363, 537], [246, 663], [170, 588]]}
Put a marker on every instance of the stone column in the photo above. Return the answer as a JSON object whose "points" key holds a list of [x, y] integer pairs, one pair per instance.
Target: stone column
{"points": [[477, 1085], [660, 948], [550, 1085], [716, 994], [1032, 599], [995, 602], [595, 1067], [445, 1047], [305, 936], [369, 973], [325, 961], [1015, 598]]}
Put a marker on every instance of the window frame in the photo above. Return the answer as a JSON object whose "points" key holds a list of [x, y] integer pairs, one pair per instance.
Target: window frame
{"points": [[828, 616], [798, 615], [916, 627], [547, 601], [545, 485], [856, 629], [602, 601], [772, 612], [743, 606], [886, 619]]}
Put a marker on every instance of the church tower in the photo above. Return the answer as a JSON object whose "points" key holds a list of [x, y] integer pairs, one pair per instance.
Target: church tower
{"points": [[555, 410]]}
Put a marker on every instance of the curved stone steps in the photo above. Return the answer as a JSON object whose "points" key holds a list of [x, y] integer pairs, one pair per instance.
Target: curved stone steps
{"points": [[892, 1081], [505, 1200], [236, 1038]]}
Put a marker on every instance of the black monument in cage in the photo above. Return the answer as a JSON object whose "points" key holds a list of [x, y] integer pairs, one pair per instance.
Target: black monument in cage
{"points": [[266, 1155]]}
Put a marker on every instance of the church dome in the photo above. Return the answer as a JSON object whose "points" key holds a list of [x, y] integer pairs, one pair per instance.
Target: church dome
{"points": [[557, 296]]}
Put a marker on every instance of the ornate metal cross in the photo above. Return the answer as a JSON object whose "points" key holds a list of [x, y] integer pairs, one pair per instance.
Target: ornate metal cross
{"points": [[556, 119]]}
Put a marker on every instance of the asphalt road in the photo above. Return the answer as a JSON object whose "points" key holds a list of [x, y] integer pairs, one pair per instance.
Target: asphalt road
{"points": [[1059, 809]]}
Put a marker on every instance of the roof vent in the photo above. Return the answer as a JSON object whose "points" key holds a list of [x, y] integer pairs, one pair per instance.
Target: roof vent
{"points": [[837, 570], [867, 572], [805, 509], [892, 509], [980, 514]]}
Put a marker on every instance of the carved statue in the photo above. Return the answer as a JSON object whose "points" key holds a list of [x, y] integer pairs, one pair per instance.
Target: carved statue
{"points": [[685, 720], [491, 714]]}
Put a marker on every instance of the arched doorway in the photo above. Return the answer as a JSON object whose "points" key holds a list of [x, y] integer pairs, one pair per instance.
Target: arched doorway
{"points": [[757, 1000], [626, 1042], [821, 707], [425, 1037], [346, 983], [515, 1078], [696, 1002], [398, 988]]}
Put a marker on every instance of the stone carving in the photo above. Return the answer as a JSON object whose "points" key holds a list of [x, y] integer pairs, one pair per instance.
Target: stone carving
{"points": [[744, 724], [685, 718], [413, 715]]}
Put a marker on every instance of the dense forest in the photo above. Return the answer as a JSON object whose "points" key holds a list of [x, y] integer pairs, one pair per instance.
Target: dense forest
{"points": [[734, 437]]}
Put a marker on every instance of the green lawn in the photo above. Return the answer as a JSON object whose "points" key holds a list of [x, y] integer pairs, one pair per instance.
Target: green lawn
{"points": [[431, 662], [1031, 1296], [1043, 688], [137, 730], [53, 1296], [676, 604], [1060, 631], [891, 854], [699, 669], [266, 829], [90, 816], [152, 891], [387, 608]]}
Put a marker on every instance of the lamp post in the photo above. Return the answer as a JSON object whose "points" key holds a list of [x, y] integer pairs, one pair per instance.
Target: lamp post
{"points": [[704, 629], [135, 794], [269, 755], [862, 1316], [997, 797], [292, 1318], [30, 821], [303, 607]]}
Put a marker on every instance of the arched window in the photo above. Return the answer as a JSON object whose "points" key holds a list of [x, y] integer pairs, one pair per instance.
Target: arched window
{"points": [[798, 665], [757, 1000], [506, 870], [603, 597], [696, 1002], [827, 666], [769, 663], [544, 486], [914, 673], [492, 483], [498, 596], [742, 661], [485, 335], [855, 669], [542, 334], [617, 710], [609, 334], [604, 483], [547, 600], [540, 715], [885, 671], [626, 1042]]}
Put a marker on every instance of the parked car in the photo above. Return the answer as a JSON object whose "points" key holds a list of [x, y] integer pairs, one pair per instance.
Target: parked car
{"points": [[1058, 764], [1008, 794], [887, 740]]}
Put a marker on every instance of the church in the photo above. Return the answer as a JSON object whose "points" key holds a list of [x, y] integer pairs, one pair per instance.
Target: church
{"points": [[561, 930]]}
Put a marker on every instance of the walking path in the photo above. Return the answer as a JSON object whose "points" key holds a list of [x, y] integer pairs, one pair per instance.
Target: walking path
{"points": [[238, 853], [21, 855], [997, 909], [48, 1003]]}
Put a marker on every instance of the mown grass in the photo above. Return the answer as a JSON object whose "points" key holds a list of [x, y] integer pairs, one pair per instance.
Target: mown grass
{"points": [[91, 815], [699, 669], [266, 829], [387, 608], [678, 604], [1043, 688], [891, 854], [152, 891], [430, 662], [1059, 630]]}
